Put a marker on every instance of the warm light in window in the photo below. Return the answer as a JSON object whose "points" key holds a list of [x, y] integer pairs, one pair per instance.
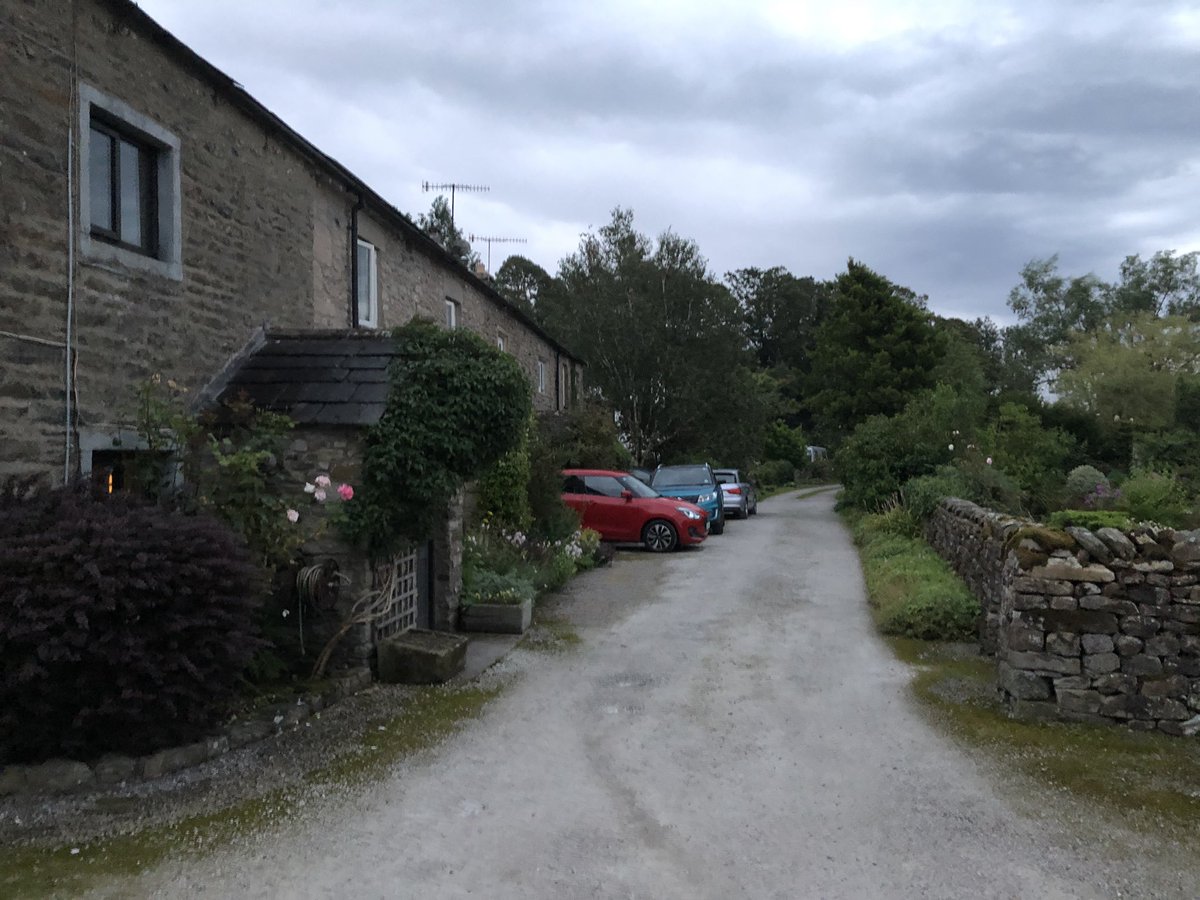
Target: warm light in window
{"points": [[108, 482]]}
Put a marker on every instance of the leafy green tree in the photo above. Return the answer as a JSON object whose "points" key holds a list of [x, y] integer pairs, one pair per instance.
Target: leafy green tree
{"points": [[1129, 371], [876, 350], [1164, 285], [522, 281], [1052, 307], [787, 443], [884, 452], [439, 224], [1036, 457], [655, 329], [781, 314]]}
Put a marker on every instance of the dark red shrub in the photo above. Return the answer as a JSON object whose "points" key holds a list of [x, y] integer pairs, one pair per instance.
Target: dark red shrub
{"points": [[124, 627]]}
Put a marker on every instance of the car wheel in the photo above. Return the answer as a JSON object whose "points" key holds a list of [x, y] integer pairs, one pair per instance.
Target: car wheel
{"points": [[659, 536], [717, 527]]}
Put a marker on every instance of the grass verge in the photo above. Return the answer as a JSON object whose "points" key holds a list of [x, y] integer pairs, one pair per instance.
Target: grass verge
{"points": [[432, 715], [911, 590], [1147, 782]]}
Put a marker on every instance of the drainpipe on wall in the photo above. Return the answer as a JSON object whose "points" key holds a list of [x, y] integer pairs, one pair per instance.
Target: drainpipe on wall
{"points": [[558, 397], [68, 365], [354, 211]]}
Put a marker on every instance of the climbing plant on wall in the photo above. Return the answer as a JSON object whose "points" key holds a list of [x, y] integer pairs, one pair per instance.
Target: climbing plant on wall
{"points": [[456, 406]]}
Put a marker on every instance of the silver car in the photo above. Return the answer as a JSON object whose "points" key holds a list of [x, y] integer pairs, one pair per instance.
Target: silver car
{"points": [[737, 494]]}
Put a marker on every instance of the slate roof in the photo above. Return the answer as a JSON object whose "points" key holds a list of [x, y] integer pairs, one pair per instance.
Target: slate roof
{"points": [[317, 378]]}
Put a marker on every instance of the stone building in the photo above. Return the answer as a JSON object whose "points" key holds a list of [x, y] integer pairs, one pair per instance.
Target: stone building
{"points": [[156, 219]]}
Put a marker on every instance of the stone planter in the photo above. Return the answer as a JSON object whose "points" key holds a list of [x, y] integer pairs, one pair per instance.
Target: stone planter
{"points": [[496, 618]]}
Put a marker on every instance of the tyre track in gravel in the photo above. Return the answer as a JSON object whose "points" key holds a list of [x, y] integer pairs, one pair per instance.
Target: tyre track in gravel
{"points": [[729, 726]]}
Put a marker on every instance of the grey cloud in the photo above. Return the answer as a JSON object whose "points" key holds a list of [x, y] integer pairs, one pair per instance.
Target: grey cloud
{"points": [[944, 160]]}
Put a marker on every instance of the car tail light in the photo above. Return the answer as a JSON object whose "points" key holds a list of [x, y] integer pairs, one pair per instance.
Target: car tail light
{"points": [[735, 490]]}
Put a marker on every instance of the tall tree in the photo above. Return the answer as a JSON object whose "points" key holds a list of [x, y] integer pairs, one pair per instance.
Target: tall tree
{"points": [[522, 281], [1050, 307], [1164, 285], [659, 335], [1131, 371], [439, 224], [876, 350], [781, 314]]}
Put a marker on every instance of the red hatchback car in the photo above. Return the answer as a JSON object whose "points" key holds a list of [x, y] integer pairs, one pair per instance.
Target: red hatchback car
{"points": [[625, 510]]}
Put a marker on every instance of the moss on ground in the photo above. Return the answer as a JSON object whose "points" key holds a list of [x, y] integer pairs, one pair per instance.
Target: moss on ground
{"points": [[1149, 782], [551, 634], [430, 716]]}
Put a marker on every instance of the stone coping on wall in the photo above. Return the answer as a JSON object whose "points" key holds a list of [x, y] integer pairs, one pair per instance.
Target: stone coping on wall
{"points": [[1096, 626], [60, 776]]}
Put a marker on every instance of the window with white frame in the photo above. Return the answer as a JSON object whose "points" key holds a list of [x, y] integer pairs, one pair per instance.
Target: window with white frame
{"points": [[501, 340], [367, 288], [452, 313], [564, 386], [541, 376], [129, 193]]}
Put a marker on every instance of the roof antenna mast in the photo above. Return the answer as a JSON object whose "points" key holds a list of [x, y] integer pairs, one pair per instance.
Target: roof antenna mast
{"points": [[453, 187], [494, 240]]}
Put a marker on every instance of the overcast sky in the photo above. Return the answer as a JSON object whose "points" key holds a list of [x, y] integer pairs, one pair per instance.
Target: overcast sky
{"points": [[945, 144]]}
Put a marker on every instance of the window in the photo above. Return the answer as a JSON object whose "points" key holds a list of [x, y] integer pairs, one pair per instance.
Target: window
{"points": [[129, 190], [564, 386], [141, 472], [501, 340], [451, 313], [541, 376], [573, 484], [123, 188], [367, 297], [603, 485]]}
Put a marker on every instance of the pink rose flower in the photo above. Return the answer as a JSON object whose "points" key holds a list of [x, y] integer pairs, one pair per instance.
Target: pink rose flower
{"points": [[345, 491], [322, 481], [293, 516], [319, 495]]}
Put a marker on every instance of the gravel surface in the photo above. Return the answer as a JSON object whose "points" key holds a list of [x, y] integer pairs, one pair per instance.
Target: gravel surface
{"points": [[728, 726]]}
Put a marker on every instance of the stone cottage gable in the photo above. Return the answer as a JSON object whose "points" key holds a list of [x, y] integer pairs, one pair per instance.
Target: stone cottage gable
{"points": [[254, 228]]}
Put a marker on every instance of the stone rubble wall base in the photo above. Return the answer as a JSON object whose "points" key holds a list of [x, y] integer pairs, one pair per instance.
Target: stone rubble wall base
{"points": [[1100, 627], [59, 776]]}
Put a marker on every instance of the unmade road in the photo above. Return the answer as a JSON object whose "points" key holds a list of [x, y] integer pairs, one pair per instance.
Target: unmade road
{"points": [[729, 726]]}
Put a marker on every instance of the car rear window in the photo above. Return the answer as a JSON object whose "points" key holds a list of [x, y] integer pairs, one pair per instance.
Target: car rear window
{"points": [[726, 477], [675, 476]]}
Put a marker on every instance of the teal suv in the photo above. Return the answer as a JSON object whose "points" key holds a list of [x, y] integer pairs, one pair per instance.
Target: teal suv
{"points": [[695, 484]]}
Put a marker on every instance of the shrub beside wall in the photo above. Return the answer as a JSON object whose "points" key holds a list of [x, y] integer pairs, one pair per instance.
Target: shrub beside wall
{"points": [[123, 627]]}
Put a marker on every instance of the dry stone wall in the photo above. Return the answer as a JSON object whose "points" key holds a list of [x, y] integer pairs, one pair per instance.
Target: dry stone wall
{"points": [[1087, 626]]}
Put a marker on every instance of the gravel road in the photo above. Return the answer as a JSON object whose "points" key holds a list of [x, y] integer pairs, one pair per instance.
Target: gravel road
{"points": [[730, 726]]}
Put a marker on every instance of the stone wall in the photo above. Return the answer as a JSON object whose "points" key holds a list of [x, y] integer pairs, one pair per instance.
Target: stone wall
{"points": [[1086, 626], [972, 539]]}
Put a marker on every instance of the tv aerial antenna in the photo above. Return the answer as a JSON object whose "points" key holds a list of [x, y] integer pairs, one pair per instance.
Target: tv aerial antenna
{"points": [[453, 187], [494, 240]]}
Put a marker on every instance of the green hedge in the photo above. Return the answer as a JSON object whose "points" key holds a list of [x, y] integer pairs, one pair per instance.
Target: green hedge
{"points": [[912, 591]]}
